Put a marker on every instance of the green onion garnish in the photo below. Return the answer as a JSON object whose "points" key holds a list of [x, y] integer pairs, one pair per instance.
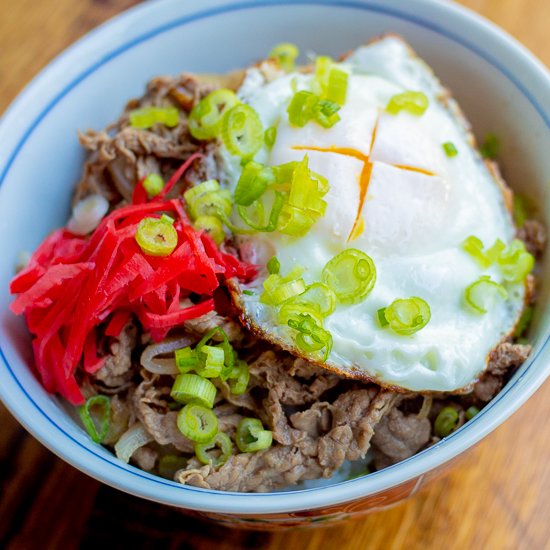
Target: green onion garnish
{"points": [[239, 378], [146, 117], [273, 266], [186, 359], [405, 316], [191, 387], [279, 289], [153, 185], [414, 103], [156, 237], [319, 297], [96, 415], [248, 292], [310, 335], [251, 436], [471, 412], [208, 199], [197, 423], [205, 117], [351, 275], [450, 149], [254, 216], [211, 361], [286, 55], [270, 136], [490, 147], [167, 219], [485, 258], [252, 183], [482, 293], [331, 81], [221, 443], [306, 106], [211, 225], [242, 131], [515, 262], [446, 422], [524, 322]]}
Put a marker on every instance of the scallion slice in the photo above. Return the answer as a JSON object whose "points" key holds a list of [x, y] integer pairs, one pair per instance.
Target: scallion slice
{"points": [[301, 108], [208, 199], [490, 147], [319, 297], [273, 266], [286, 55], [146, 117], [471, 412], [259, 223], [405, 316], [446, 422], [482, 293], [186, 359], [270, 136], [515, 262], [450, 149], [96, 415], [156, 237], [239, 377], [242, 131], [252, 183], [153, 184], [414, 103], [191, 387], [251, 436], [310, 336], [222, 447], [211, 361], [351, 274], [197, 423], [278, 290], [211, 225], [205, 117]]}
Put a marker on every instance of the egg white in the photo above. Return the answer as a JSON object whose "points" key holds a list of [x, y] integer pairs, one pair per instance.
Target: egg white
{"points": [[413, 222]]}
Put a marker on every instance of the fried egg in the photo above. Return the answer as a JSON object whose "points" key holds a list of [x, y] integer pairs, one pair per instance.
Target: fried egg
{"points": [[411, 216]]}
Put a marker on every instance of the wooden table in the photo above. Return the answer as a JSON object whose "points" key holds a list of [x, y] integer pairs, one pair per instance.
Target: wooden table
{"points": [[499, 497]]}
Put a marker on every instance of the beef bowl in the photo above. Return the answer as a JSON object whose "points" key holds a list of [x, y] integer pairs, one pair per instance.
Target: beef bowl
{"points": [[307, 429]]}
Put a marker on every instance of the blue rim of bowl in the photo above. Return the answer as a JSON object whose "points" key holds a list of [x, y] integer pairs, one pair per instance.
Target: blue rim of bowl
{"points": [[364, 5]]}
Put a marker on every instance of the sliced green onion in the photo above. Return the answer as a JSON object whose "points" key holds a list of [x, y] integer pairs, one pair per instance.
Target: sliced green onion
{"points": [[319, 297], [212, 360], [153, 185], [490, 147], [450, 149], [191, 387], [225, 345], [248, 292], [205, 117], [446, 422], [415, 103], [311, 336], [251, 436], [170, 464], [405, 316], [521, 209], [208, 199], [146, 117], [292, 310], [252, 183], [262, 224], [471, 412], [96, 417], [239, 378], [270, 136], [482, 294], [197, 423], [286, 55], [337, 86], [186, 359], [273, 266], [301, 108], [515, 262], [242, 131], [524, 322], [325, 113], [211, 225], [278, 291], [222, 443], [474, 247], [351, 275], [156, 237], [381, 314], [167, 219]]}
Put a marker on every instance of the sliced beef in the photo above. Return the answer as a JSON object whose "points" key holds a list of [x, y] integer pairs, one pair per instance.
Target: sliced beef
{"points": [[502, 360], [211, 320], [534, 235], [117, 369], [399, 436], [145, 458]]}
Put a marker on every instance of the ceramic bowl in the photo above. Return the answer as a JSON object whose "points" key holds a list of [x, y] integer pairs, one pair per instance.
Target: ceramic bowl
{"points": [[500, 85]]}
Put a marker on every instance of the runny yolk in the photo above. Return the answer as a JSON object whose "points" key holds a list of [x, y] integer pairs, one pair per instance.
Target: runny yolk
{"points": [[364, 178]]}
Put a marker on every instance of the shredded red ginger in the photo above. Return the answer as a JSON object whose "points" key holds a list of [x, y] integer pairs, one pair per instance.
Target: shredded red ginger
{"points": [[74, 284]]}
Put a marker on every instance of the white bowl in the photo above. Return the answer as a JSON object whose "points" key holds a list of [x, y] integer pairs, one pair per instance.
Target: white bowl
{"points": [[500, 85]]}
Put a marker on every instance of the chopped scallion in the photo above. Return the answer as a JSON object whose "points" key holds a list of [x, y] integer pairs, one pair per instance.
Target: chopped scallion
{"points": [[446, 422], [156, 237], [482, 293], [146, 117], [191, 387], [153, 184], [197, 423], [251, 436], [405, 316], [96, 415], [450, 149], [242, 131], [414, 103], [273, 266], [222, 447], [205, 117], [286, 55]]}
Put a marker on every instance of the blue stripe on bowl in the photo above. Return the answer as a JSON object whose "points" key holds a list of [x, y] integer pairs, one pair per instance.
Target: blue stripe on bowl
{"points": [[235, 7]]}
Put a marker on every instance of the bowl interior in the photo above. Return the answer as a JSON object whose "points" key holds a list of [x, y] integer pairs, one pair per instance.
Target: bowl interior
{"points": [[40, 159]]}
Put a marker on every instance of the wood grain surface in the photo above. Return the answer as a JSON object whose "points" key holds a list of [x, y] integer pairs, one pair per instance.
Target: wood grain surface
{"points": [[497, 498]]}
